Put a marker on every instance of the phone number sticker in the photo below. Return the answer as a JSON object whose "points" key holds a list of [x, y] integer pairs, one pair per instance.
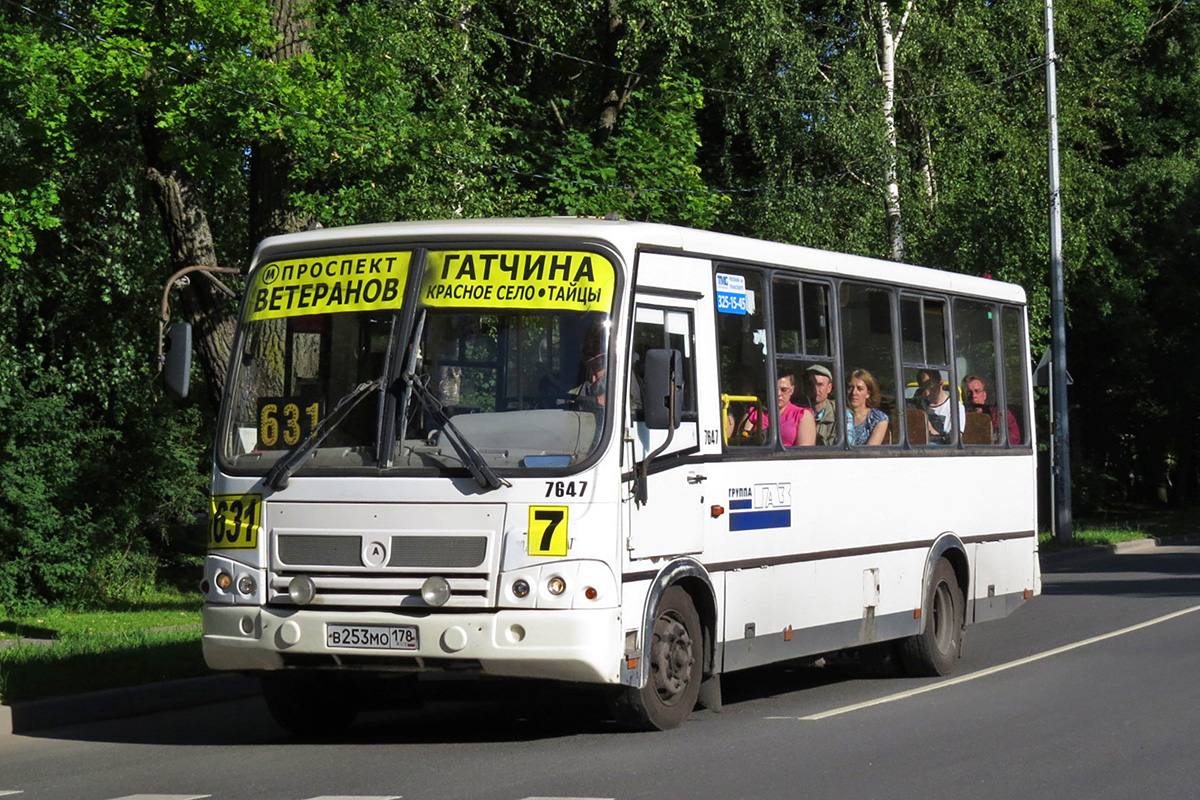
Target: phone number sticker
{"points": [[731, 294], [234, 521]]}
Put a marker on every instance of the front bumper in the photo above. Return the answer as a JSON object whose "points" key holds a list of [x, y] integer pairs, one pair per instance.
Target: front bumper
{"points": [[583, 645]]}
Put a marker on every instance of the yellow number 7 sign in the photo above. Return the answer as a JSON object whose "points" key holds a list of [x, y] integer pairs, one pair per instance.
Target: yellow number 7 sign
{"points": [[547, 530]]}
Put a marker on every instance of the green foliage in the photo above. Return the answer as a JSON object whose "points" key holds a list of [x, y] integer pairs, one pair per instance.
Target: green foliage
{"points": [[761, 117]]}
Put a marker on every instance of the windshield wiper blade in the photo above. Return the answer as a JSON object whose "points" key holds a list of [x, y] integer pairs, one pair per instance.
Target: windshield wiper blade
{"points": [[471, 458], [278, 477]]}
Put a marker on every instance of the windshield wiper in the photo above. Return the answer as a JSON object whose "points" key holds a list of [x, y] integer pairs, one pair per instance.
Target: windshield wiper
{"points": [[471, 458], [278, 477]]}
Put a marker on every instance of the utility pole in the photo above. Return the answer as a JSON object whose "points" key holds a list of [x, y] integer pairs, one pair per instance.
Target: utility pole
{"points": [[1061, 439]]}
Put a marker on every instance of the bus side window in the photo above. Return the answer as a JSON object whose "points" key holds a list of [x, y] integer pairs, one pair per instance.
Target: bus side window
{"points": [[1012, 337], [747, 399], [802, 340], [868, 344], [929, 381], [975, 355]]}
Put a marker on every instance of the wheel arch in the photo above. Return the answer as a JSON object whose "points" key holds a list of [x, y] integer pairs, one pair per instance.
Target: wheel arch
{"points": [[691, 576], [950, 547]]}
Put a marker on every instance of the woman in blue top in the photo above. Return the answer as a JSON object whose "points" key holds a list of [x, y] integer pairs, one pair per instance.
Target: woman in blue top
{"points": [[868, 425]]}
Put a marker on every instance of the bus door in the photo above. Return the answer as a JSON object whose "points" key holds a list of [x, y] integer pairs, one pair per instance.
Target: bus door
{"points": [[671, 520]]}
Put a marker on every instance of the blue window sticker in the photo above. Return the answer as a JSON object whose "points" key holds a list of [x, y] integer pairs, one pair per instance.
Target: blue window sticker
{"points": [[731, 294]]}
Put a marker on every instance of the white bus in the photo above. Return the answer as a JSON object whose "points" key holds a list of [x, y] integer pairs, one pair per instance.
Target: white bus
{"points": [[606, 452]]}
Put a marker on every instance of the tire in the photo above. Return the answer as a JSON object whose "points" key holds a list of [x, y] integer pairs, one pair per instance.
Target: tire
{"points": [[935, 650], [674, 668], [310, 705]]}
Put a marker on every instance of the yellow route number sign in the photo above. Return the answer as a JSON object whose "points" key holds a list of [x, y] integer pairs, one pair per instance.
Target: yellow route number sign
{"points": [[548, 530], [234, 521]]}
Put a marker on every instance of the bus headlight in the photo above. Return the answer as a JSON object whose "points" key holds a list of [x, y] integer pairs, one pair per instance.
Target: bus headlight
{"points": [[520, 588], [556, 586], [246, 585], [223, 581], [435, 591]]}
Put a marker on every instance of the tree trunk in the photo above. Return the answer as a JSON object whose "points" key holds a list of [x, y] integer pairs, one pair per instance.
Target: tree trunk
{"points": [[618, 85], [928, 174], [271, 161], [209, 310], [889, 46]]}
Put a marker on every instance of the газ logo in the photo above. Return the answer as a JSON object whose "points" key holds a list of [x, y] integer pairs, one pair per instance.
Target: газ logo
{"points": [[763, 505]]}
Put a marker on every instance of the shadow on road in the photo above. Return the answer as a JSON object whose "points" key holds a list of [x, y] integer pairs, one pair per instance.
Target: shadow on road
{"points": [[498, 713], [1169, 571]]}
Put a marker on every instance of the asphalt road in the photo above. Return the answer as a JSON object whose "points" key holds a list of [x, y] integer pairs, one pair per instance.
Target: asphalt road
{"points": [[1087, 691]]}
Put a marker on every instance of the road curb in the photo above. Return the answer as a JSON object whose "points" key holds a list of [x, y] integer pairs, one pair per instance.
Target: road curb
{"points": [[55, 712]]}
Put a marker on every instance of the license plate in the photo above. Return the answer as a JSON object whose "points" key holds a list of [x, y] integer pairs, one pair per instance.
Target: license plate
{"points": [[372, 637]]}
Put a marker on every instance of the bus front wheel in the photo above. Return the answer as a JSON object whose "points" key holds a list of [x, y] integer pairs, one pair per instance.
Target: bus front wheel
{"points": [[310, 704], [674, 668], [935, 650]]}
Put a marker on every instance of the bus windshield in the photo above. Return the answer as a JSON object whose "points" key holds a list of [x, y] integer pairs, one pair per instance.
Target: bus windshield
{"points": [[526, 389], [503, 364]]}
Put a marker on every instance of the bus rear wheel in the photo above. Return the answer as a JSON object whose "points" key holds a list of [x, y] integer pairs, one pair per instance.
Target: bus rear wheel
{"points": [[674, 668], [310, 704], [935, 650]]}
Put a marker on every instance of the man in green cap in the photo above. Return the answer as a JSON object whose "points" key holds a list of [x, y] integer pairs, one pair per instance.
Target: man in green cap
{"points": [[820, 386]]}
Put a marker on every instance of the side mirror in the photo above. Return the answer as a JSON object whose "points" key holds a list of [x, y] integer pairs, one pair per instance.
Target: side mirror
{"points": [[663, 368], [177, 350]]}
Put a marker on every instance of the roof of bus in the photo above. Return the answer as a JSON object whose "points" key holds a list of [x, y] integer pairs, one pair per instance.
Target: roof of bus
{"points": [[627, 236]]}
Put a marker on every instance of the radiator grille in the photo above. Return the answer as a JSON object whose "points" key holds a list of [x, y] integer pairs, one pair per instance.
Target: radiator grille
{"points": [[379, 555], [461, 552], [320, 551], [449, 552]]}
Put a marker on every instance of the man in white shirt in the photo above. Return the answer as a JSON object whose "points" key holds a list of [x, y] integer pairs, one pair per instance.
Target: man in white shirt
{"points": [[937, 408]]}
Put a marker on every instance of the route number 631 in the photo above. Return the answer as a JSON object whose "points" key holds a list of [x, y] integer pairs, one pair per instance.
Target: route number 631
{"points": [[234, 521]]}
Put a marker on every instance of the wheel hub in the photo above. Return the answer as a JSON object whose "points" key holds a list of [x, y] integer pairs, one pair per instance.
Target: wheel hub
{"points": [[671, 658]]}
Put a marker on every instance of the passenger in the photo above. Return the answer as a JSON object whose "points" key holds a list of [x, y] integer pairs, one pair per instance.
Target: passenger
{"points": [[918, 399], [937, 407], [867, 424], [976, 394], [819, 382], [796, 423]]}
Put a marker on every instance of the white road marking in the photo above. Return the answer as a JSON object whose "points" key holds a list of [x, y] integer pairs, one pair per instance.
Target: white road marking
{"points": [[163, 797], [6, 792], [983, 673]]}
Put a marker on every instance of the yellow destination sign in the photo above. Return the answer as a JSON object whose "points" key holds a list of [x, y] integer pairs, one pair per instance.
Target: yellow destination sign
{"points": [[560, 280], [328, 285]]}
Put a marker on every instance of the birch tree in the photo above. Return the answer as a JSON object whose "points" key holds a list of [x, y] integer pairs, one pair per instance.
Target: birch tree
{"points": [[891, 32]]}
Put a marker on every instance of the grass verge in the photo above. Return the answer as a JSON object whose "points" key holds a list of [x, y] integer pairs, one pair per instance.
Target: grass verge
{"points": [[1126, 525], [75, 665], [1087, 537], [59, 651]]}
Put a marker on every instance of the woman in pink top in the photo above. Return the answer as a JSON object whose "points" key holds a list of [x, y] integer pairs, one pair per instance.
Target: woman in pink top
{"points": [[796, 423]]}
